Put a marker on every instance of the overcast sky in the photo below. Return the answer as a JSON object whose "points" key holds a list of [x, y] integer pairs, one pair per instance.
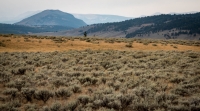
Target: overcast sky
{"points": [[129, 8]]}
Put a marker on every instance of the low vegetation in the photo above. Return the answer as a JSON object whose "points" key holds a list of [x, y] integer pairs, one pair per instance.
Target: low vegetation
{"points": [[77, 80], [33, 43]]}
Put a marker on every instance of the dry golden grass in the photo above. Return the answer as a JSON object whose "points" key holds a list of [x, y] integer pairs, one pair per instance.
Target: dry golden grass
{"points": [[47, 45]]}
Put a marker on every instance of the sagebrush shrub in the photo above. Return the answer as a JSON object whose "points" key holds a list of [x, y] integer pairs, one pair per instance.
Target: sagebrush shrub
{"points": [[76, 88], [11, 91], [43, 94], [58, 83], [55, 107], [71, 106], [12, 106], [63, 92], [84, 99], [28, 93], [30, 107], [129, 45], [2, 44]]}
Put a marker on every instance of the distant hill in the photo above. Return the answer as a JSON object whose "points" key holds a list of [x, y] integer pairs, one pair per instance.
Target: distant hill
{"points": [[165, 26], [97, 18], [52, 17], [21, 29]]}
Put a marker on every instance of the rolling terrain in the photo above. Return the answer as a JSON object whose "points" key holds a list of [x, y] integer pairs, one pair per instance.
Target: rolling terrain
{"points": [[183, 26], [58, 23]]}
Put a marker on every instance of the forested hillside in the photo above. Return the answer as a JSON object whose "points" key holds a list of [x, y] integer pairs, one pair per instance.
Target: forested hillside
{"points": [[20, 29], [183, 24]]}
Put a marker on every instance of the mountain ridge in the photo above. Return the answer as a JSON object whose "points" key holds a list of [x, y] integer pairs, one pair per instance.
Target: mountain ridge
{"points": [[52, 17], [100, 18]]}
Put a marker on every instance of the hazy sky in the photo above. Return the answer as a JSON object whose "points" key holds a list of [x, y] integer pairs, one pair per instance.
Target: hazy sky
{"points": [[130, 8]]}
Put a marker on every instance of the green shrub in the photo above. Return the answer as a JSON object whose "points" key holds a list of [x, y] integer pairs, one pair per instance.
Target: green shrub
{"points": [[154, 45], [27, 40], [88, 79], [103, 79], [126, 100], [39, 41], [98, 103], [55, 107], [9, 107], [175, 47], [19, 84], [129, 45], [145, 43], [30, 107], [76, 88], [181, 91], [28, 93], [63, 92], [140, 107], [71, 106], [88, 40], [43, 95], [177, 80], [193, 55], [58, 83], [4, 77], [116, 104], [11, 91], [178, 108], [84, 99], [2, 44], [19, 71]]}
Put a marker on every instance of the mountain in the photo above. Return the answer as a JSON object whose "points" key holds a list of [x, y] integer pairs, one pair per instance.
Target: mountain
{"points": [[97, 18], [165, 26], [52, 17]]}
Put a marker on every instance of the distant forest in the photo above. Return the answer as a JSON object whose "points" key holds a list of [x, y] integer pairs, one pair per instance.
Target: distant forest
{"points": [[21, 29], [188, 22], [180, 24]]}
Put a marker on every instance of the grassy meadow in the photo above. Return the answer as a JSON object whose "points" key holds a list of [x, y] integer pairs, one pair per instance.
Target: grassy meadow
{"points": [[40, 73]]}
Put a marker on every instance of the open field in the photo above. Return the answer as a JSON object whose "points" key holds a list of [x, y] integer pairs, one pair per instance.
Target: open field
{"points": [[78, 74], [50, 44]]}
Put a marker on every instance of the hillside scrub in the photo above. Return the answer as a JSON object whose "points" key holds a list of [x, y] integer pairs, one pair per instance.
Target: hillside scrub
{"points": [[100, 80]]}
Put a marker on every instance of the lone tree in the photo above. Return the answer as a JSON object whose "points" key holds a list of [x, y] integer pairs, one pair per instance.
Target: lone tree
{"points": [[85, 34]]}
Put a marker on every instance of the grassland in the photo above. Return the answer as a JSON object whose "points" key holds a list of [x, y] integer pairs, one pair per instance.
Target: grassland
{"points": [[78, 74]]}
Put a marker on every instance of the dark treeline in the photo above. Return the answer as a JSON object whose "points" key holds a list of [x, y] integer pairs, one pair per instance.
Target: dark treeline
{"points": [[20, 29], [190, 22]]}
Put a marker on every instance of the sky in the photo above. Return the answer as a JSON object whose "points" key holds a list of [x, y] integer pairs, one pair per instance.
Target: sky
{"points": [[128, 8]]}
